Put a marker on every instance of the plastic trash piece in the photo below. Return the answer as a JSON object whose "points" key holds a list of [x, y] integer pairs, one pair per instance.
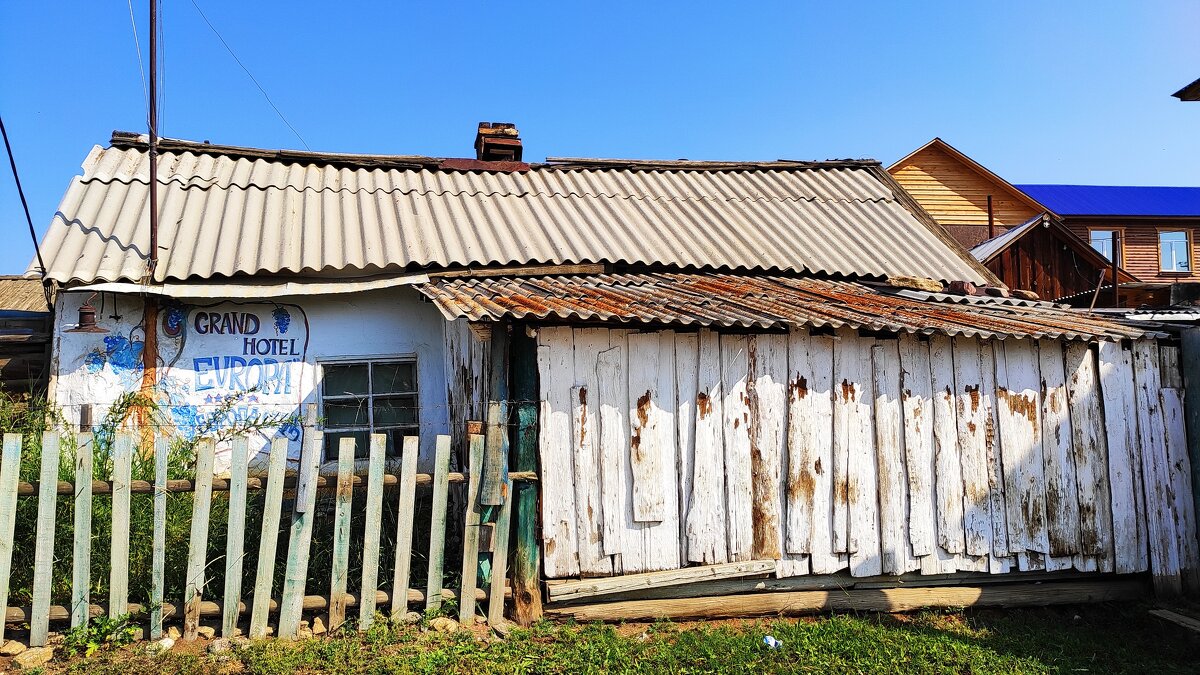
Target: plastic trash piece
{"points": [[771, 642]]}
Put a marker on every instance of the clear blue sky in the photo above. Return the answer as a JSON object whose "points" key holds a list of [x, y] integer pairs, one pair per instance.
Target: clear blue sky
{"points": [[1037, 91]]}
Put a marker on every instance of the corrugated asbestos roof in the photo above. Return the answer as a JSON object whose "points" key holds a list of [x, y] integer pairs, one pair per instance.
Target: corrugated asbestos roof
{"points": [[988, 248], [756, 301], [228, 211], [22, 295]]}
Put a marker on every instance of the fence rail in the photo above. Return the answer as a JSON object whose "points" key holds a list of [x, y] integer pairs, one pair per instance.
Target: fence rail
{"points": [[255, 607]]}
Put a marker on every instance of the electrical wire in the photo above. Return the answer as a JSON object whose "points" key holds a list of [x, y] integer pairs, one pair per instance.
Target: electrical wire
{"points": [[12, 162], [251, 75], [138, 45]]}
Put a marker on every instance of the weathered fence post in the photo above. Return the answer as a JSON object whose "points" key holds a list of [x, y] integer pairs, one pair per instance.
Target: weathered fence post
{"points": [[291, 605], [404, 527], [374, 519], [118, 558], [343, 501], [43, 557], [269, 541], [81, 556], [158, 563], [470, 565], [527, 596], [198, 542], [10, 470], [235, 543], [437, 533], [500, 558], [495, 462]]}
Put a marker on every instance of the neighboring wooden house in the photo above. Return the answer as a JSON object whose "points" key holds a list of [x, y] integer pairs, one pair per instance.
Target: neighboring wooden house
{"points": [[705, 362], [1045, 257], [25, 328], [962, 195]]}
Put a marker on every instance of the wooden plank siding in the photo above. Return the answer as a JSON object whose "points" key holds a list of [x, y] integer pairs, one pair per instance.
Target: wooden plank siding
{"points": [[1140, 241], [1040, 261], [955, 195], [850, 450]]}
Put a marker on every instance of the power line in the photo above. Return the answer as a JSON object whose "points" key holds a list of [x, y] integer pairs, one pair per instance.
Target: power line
{"points": [[12, 162], [138, 45], [251, 75]]}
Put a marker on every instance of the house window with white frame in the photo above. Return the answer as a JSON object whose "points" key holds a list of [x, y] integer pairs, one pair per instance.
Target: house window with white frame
{"points": [[1174, 251], [360, 398], [1105, 241]]}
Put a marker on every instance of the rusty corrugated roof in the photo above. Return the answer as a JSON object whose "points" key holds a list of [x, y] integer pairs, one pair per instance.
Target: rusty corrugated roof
{"points": [[754, 301], [228, 211]]}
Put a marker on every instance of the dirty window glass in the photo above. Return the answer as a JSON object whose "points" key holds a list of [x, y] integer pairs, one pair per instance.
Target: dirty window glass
{"points": [[369, 397]]}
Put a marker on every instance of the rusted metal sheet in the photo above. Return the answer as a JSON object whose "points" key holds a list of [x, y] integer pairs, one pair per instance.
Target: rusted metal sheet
{"points": [[754, 301]]}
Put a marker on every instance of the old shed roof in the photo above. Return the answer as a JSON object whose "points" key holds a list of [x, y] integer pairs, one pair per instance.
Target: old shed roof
{"points": [[228, 211], [21, 294], [756, 301]]}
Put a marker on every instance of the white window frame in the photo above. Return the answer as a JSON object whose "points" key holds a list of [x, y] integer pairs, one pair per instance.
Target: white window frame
{"points": [[1187, 251], [329, 454], [1117, 247]]}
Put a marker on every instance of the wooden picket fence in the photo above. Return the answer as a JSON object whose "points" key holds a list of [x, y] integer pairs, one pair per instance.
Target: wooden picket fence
{"points": [[258, 605]]}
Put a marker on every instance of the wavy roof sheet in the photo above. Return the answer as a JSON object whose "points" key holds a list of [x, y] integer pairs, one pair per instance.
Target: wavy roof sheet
{"points": [[235, 211], [754, 301]]}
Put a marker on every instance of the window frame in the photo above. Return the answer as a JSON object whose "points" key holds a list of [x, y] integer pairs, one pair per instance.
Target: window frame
{"points": [[1187, 233], [329, 453], [1120, 250]]}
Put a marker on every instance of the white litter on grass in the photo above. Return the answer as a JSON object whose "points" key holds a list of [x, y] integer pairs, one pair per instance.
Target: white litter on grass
{"points": [[771, 642]]}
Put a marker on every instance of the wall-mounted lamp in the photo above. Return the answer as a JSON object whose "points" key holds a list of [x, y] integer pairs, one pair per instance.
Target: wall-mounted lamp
{"points": [[87, 319]]}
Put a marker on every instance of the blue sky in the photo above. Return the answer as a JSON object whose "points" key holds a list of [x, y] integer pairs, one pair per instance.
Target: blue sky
{"points": [[1037, 91]]}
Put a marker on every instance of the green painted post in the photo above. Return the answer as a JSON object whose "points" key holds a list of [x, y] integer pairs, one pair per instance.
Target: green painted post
{"points": [[527, 596]]}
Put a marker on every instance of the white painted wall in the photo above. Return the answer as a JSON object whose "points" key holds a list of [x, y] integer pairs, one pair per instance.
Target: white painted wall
{"points": [[95, 368]]}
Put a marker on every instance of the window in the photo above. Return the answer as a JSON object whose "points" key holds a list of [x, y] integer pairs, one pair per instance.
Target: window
{"points": [[1104, 241], [369, 397], [1173, 251]]}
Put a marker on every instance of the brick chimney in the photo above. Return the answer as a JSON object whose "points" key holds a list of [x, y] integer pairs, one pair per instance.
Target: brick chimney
{"points": [[497, 142]]}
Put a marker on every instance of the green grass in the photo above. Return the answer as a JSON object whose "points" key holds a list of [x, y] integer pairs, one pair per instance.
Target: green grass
{"points": [[1107, 639]]}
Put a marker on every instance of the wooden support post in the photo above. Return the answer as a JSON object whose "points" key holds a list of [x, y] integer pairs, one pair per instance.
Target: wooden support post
{"points": [[500, 558], [269, 539], [374, 520], [10, 468], [527, 598], [118, 578], [158, 563], [43, 557], [81, 556], [1189, 362], [300, 539], [470, 568], [437, 532], [404, 525], [198, 543], [235, 543], [495, 462]]}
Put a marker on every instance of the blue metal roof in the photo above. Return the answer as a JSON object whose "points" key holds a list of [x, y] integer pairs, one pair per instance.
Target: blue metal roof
{"points": [[1116, 200]]}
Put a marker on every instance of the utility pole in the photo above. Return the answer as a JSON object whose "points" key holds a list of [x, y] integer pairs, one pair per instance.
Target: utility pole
{"points": [[149, 302]]}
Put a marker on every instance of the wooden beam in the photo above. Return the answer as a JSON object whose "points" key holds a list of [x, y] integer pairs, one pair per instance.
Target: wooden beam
{"points": [[882, 600], [574, 589], [1177, 619], [527, 597]]}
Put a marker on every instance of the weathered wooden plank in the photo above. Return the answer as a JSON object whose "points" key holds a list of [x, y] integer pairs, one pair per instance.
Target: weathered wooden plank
{"points": [[1179, 470], [1018, 388], [307, 451], [648, 449], [991, 362], [568, 590], [198, 541], [889, 453], [235, 543], [372, 523], [1160, 507], [819, 455], [43, 555], [662, 542], [1091, 456], [555, 359], [437, 534], [972, 419], [300, 538], [81, 555], [738, 491], [767, 401], [1171, 374], [868, 600], [470, 568], [495, 449], [269, 536], [340, 565], [854, 438], [10, 469], [948, 479], [405, 509], [917, 406], [499, 560], [612, 403], [687, 362], [1062, 496], [158, 563], [118, 552], [706, 518], [526, 572], [590, 504], [1115, 374]]}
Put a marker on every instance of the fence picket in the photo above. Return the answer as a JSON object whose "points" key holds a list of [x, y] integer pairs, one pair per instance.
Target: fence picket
{"points": [[500, 559], [43, 556], [235, 543], [300, 539], [470, 568], [118, 575], [437, 530], [341, 534], [374, 519], [404, 527], [269, 541], [198, 543], [81, 555], [158, 563], [10, 470]]}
